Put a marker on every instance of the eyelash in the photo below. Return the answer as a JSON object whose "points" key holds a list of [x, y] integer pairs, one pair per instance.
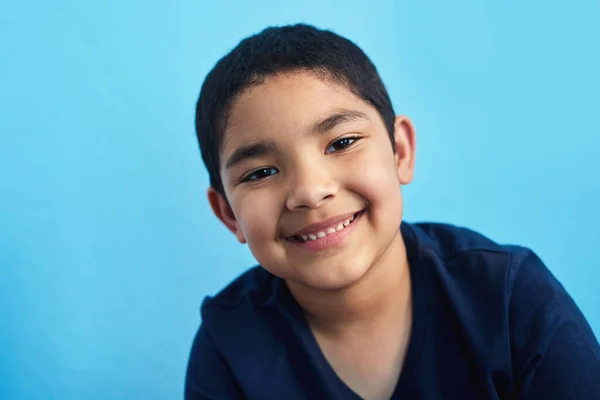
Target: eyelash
{"points": [[353, 139], [249, 177], [252, 175]]}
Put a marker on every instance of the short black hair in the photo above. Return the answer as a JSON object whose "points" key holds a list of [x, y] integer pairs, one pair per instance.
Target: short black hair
{"points": [[278, 50]]}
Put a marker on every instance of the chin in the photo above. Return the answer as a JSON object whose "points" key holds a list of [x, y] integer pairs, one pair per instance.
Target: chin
{"points": [[335, 278]]}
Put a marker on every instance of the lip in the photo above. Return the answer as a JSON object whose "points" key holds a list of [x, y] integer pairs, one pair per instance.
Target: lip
{"points": [[337, 239], [323, 224]]}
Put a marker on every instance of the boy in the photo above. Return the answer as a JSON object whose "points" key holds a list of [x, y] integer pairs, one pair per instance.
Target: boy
{"points": [[306, 159]]}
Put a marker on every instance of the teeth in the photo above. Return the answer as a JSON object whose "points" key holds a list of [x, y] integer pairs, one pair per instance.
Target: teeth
{"points": [[321, 234]]}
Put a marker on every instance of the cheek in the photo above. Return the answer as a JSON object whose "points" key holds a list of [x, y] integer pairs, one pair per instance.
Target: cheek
{"points": [[257, 216], [377, 177]]}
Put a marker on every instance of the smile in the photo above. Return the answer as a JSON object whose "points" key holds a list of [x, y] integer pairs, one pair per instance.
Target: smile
{"points": [[324, 232], [331, 236]]}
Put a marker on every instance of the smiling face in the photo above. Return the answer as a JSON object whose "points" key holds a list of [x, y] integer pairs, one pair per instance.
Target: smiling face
{"points": [[312, 180]]}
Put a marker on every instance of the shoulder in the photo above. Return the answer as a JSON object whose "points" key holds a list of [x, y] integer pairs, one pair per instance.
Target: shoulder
{"points": [[465, 249], [242, 322], [510, 282], [253, 285], [242, 303], [448, 240], [468, 265], [461, 248], [513, 316]]}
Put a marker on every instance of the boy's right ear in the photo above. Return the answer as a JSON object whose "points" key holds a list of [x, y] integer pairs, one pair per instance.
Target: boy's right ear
{"points": [[223, 211]]}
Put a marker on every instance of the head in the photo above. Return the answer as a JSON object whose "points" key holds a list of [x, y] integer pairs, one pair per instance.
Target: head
{"points": [[300, 140]]}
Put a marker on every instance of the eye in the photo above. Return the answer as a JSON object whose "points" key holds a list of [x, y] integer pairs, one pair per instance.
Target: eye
{"points": [[259, 174], [341, 144]]}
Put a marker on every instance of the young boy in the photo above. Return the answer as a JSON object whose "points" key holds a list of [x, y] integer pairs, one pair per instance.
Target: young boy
{"points": [[306, 160]]}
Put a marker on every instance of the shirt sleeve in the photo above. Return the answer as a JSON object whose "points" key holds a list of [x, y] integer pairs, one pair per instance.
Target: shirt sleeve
{"points": [[555, 354], [208, 376]]}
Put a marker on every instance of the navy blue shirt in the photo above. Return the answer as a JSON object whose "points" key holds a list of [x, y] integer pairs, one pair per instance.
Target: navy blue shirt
{"points": [[489, 322]]}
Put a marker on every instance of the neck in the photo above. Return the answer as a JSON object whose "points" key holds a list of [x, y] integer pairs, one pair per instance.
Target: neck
{"points": [[385, 287]]}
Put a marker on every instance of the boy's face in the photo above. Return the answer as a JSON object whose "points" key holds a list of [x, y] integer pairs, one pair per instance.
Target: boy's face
{"points": [[300, 151]]}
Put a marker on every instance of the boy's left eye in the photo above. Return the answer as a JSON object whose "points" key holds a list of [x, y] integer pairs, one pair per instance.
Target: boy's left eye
{"points": [[341, 144]]}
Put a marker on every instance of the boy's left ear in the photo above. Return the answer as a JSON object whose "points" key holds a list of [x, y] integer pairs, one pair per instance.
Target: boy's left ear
{"points": [[405, 146]]}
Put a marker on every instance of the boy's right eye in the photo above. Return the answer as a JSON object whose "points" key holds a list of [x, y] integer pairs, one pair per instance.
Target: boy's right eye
{"points": [[259, 174]]}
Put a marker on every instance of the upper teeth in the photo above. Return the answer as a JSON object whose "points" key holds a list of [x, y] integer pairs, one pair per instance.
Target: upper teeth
{"points": [[328, 231]]}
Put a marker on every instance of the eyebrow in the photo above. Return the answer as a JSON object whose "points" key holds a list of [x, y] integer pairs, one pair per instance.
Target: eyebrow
{"points": [[264, 148], [338, 118], [251, 150]]}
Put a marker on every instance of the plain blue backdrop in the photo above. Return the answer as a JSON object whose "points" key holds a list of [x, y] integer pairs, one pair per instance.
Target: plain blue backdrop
{"points": [[107, 242]]}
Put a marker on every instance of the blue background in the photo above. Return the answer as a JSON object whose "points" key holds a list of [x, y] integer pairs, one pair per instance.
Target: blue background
{"points": [[107, 242]]}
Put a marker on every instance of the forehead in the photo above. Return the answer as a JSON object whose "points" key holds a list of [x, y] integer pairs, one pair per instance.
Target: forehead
{"points": [[285, 105]]}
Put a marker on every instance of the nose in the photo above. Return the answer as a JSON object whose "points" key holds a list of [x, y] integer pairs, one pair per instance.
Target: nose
{"points": [[310, 188]]}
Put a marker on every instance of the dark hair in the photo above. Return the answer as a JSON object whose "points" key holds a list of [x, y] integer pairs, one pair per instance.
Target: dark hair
{"points": [[276, 50]]}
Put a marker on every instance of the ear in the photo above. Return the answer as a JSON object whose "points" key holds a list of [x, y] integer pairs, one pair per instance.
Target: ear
{"points": [[223, 211], [405, 146]]}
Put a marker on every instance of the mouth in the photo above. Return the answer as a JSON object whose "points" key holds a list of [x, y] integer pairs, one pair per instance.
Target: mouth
{"points": [[323, 233]]}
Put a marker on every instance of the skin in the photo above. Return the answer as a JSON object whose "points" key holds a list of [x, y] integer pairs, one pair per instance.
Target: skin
{"points": [[308, 177]]}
